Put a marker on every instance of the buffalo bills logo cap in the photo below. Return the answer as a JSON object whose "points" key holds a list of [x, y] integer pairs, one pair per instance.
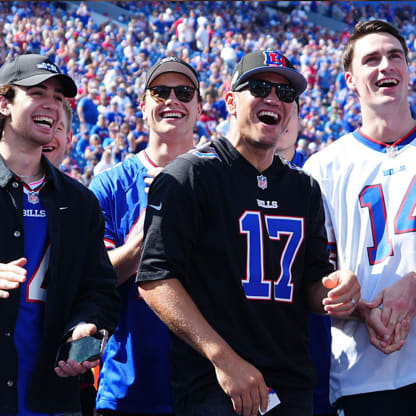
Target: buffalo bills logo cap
{"points": [[171, 64], [33, 69], [267, 61]]}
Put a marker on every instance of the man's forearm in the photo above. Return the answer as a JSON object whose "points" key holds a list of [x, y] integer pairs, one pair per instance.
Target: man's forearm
{"points": [[171, 302], [125, 260]]}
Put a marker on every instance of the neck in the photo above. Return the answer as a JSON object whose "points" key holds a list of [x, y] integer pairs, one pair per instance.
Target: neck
{"points": [[23, 162], [287, 154], [259, 155], [388, 126], [161, 152]]}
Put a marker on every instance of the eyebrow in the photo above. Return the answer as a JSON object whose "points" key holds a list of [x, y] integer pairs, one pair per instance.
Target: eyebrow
{"points": [[43, 87], [390, 51]]}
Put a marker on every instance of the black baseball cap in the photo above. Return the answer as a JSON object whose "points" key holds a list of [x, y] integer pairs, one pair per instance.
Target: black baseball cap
{"points": [[267, 61], [33, 69], [172, 64]]}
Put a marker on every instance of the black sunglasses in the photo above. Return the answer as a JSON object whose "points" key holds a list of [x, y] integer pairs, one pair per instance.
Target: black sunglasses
{"points": [[261, 89], [183, 93]]}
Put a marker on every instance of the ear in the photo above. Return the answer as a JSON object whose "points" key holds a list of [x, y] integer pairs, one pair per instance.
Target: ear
{"points": [[230, 101], [143, 108], [199, 110], [349, 79], [68, 140], [4, 106]]}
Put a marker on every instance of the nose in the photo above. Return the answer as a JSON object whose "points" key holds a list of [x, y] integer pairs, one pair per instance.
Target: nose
{"points": [[272, 97], [172, 96], [384, 63]]}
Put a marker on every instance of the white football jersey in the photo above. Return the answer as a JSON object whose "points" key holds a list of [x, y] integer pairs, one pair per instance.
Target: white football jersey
{"points": [[369, 191]]}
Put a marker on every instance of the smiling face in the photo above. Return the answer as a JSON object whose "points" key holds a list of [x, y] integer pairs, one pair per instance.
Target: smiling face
{"points": [[172, 119], [379, 73], [259, 122], [58, 148], [33, 114]]}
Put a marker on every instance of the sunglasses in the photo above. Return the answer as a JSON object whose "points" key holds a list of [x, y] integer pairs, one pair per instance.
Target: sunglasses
{"points": [[161, 93], [261, 89]]}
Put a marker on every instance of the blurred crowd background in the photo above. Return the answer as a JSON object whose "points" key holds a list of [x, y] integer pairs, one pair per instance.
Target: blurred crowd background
{"points": [[107, 47]]}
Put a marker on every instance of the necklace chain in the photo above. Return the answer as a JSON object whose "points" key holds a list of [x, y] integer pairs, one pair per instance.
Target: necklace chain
{"points": [[30, 176]]}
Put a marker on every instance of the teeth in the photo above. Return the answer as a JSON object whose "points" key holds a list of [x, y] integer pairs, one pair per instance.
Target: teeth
{"points": [[172, 114], [268, 117], [44, 120], [47, 149], [268, 114], [388, 82]]}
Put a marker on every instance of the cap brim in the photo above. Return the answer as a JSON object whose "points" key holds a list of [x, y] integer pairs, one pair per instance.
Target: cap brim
{"points": [[69, 87], [295, 79], [173, 67]]}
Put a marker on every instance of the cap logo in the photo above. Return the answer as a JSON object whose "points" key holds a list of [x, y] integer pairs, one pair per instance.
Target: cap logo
{"points": [[274, 59], [48, 66], [170, 59]]}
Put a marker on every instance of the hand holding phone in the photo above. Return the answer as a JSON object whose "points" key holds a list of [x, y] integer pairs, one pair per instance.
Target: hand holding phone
{"points": [[88, 348]]}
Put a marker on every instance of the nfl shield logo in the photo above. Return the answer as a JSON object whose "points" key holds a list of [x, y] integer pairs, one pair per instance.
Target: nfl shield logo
{"points": [[262, 182], [33, 198]]}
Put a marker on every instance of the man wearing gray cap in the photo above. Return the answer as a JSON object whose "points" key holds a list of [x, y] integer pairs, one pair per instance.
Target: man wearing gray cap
{"points": [[135, 375], [56, 281], [235, 253]]}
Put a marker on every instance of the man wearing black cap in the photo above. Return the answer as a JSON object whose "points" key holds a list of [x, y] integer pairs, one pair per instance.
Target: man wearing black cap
{"points": [[135, 375], [235, 253], [56, 282]]}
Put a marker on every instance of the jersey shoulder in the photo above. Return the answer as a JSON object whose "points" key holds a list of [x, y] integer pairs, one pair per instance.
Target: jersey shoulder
{"points": [[333, 156], [122, 176], [199, 159]]}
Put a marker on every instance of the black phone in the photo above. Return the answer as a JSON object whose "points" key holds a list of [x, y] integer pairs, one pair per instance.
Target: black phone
{"points": [[89, 348]]}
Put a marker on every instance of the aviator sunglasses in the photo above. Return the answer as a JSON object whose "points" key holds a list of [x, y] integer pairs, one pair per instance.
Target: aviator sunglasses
{"points": [[161, 93], [261, 89]]}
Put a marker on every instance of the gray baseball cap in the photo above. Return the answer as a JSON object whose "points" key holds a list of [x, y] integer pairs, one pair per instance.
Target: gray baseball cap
{"points": [[33, 69], [172, 64]]}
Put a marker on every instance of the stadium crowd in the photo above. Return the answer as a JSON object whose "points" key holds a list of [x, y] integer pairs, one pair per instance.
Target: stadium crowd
{"points": [[108, 61]]}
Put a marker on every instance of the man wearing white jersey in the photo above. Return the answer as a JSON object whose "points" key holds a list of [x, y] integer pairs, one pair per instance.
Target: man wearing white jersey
{"points": [[368, 181]]}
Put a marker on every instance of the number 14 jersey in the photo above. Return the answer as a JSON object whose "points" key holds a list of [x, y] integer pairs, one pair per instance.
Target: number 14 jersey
{"points": [[369, 191]]}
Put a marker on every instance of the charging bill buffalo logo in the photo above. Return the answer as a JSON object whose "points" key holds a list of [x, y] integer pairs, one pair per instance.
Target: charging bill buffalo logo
{"points": [[274, 59]]}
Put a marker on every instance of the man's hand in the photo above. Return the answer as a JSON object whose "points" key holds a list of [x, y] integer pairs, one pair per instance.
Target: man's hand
{"points": [[398, 301], [384, 338], [388, 316], [344, 293], [11, 276], [71, 368], [244, 384]]}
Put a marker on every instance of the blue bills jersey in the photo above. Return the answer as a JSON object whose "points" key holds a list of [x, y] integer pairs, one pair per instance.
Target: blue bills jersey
{"points": [[28, 332], [135, 373]]}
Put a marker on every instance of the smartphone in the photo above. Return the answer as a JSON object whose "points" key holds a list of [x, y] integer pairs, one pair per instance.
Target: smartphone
{"points": [[89, 348]]}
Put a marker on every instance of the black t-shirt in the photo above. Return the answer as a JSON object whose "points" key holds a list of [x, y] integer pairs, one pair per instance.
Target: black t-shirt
{"points": [[243, 244]]}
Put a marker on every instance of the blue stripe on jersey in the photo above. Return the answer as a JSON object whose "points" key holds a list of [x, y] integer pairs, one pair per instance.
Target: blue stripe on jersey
{"points": [[211, 155], [383, 147], [28, 332]]}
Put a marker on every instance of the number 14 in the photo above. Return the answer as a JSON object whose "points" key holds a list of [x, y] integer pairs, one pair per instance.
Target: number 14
{"points": [[372, 197]]}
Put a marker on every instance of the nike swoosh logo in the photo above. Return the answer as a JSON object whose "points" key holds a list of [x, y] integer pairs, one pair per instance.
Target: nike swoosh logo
{"points": [[156, 207]]}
